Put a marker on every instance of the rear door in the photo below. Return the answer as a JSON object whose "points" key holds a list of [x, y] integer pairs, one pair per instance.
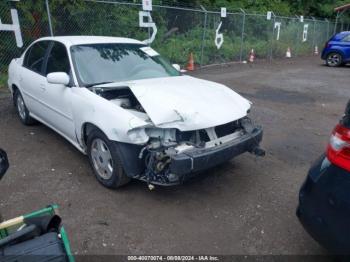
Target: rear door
{"points": [[57, 98], [345, 46], [31, 77]]}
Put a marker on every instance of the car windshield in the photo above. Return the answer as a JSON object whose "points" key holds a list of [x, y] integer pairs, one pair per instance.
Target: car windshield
{"points": [[114, 62]]}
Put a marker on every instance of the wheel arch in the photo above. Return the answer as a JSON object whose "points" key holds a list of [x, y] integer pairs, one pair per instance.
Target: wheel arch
{"points": [[128, 153], [86, 129], [14, 88], [338, 51]]}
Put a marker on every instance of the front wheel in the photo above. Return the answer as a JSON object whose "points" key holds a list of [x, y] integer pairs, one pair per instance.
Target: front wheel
{"points": [[105, 161], [334, 59]]}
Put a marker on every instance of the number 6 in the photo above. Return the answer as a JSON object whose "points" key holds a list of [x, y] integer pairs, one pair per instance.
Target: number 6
{"points": [[219, 38]]}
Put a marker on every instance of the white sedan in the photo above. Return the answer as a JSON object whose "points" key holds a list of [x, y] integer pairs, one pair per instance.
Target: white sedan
{"points": [[134, 114]]}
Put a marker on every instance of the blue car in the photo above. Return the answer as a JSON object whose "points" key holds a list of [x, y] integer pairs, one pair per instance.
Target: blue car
{"points": [[324, 198], [337, 50]]}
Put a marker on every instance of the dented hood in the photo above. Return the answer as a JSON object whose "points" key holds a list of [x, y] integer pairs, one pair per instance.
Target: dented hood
{"points": [[188, 103]]}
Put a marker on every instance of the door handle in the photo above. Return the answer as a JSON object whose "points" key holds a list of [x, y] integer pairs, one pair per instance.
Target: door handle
{"points": [[42, 87]]}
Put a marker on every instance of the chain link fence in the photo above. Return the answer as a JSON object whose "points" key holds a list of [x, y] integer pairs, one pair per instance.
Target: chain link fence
{"points": [[181, 30]]}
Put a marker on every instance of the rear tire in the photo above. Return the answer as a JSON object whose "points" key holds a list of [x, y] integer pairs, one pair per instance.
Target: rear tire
{"points": [[22, 109], [334, 59], [105, 161]]}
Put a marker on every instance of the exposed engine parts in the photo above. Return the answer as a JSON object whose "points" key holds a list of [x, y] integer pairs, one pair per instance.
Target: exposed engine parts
{"points": [[121, 96], [167, 143]]}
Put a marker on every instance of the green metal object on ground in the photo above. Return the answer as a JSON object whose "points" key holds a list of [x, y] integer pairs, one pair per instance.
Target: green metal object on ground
{"points": [[66, 244], [12, 225]]}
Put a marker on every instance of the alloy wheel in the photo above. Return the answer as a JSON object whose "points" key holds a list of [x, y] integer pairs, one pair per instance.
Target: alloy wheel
{"points": [[21, 107], [334, 59], [101, 158]]}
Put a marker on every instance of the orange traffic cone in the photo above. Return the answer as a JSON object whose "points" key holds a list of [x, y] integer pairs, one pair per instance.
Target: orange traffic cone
{"points": [[190, 65], [251, 57], [288, 53], [316, 50]]}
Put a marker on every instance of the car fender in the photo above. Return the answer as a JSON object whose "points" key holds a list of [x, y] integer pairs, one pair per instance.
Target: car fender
{"points": [[13, 75], [334, 50], [112, 120]]}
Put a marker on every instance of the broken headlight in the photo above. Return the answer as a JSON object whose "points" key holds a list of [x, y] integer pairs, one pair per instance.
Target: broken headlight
{"points": [[138, 135]]}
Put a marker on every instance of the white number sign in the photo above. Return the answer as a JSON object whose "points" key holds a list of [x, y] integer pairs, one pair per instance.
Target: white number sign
{"points": [[148, 24], [15, 27], [278, 26], [306, 28], [223, 12], [268, 15], [147, 5], [219, 37]]}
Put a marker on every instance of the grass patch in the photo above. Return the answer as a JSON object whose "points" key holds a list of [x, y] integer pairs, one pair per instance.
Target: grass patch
{"points": [[3, 80]]}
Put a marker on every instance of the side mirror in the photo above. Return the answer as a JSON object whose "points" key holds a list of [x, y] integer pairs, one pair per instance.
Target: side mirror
{"points": [[4, 163], [177, 67], [58, 78]]}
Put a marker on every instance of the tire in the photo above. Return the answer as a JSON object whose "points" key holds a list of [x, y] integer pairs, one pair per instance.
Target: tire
{"points": [[105, 161], [22, 109], [334, 59]]}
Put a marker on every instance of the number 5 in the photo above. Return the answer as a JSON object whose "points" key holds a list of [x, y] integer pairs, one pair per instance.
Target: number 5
{"points": [[149, 24]]}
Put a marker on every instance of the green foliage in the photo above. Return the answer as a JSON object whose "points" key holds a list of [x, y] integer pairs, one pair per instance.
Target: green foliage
{"points": [[317, 8], [3, 80], [180, 32]]}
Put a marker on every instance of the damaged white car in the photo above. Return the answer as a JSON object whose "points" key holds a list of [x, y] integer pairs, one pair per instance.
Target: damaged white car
{"points": [[134, 114]]}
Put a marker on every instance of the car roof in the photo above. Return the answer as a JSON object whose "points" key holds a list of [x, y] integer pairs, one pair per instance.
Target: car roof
{"points": [[80, 40], [341, 35]]}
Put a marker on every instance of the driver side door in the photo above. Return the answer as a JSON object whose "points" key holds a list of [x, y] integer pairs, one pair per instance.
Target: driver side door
{"points": [[56, 98]]}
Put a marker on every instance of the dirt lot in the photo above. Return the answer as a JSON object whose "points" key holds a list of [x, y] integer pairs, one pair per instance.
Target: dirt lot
{"points": [[246, 206]]}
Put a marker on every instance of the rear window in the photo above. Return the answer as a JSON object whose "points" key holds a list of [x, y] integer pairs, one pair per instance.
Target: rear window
{"points": [[339, 36], [346, 38], [35, 56]]}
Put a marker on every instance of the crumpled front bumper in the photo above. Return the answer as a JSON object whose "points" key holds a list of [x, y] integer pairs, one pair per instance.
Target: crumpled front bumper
{"points": [[188, 163]]}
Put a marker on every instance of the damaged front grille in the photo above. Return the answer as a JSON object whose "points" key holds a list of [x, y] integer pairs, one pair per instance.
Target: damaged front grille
{"points": [[227, 129], [206, 135], [195, 137], [165, 144]]}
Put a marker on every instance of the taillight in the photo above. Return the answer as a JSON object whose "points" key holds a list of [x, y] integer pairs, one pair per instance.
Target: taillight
{"points": [[338, 150]]}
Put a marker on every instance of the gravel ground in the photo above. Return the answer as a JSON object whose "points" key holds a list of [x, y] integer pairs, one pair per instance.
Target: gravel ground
{"points": [[246, 206]]}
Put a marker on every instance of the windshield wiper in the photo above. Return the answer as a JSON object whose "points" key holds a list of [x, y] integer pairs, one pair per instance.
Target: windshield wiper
{"points": [[97, 84]]}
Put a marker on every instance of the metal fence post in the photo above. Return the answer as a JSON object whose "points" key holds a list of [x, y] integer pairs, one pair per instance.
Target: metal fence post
{"points": [[327, 29], [273, 35], [336, 23], [204, 33], [297, 37], [314, 38], [49, 16], [242, 36]]}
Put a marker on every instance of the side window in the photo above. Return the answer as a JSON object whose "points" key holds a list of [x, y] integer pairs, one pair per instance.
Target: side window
{"points": [[35, 56], [58, 59], [346, 39]]}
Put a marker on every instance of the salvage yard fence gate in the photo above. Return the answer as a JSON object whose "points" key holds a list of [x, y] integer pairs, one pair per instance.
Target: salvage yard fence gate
{"points": [[213, 37]]}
